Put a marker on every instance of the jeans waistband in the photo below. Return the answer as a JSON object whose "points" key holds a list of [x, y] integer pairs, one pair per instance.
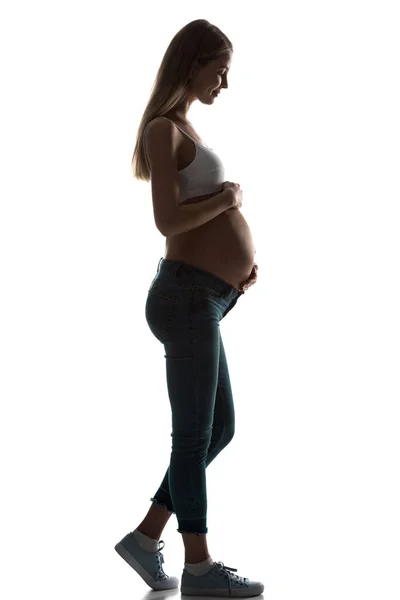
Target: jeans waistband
{"points": [[180, 271]]}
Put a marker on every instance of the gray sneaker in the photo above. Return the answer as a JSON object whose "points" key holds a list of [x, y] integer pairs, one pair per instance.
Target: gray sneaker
{"points": [[219, 582], [147, 564]]}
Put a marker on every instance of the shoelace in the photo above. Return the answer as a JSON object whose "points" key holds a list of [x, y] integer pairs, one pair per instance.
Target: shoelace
{"points": [[160, 559], [220, 565]]}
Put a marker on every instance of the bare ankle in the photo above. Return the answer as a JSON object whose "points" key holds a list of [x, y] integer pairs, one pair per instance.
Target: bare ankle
{"points": [[196, 549], [196, 558]]}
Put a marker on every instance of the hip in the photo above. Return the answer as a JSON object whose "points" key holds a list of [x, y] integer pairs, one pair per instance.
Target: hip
{"points": [[185, 301]]}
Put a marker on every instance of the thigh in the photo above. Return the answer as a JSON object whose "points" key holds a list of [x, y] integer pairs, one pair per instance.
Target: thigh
{"points": [[192, 355], [224, 412]]}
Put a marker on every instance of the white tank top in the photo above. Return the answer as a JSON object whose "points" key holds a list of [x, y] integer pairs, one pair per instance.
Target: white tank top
{"points": [[205, 175]]}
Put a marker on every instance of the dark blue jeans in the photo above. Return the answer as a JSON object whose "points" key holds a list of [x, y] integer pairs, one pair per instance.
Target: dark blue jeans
{"points": [[183, 309]]}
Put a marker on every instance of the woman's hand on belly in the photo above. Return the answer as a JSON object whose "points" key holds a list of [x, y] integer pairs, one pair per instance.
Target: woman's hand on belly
{"points": [[250, 280]]}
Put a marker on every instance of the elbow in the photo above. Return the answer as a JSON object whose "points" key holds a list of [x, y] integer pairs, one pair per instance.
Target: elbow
{"points": [[164, 229], [171, 224]]}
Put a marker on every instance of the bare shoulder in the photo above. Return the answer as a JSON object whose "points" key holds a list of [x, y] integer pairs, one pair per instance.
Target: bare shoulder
{"points": [[158, 124], [161, 135]]}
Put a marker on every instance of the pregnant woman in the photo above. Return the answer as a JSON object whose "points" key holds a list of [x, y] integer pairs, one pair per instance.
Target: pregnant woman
{"points": [[207, 266]]}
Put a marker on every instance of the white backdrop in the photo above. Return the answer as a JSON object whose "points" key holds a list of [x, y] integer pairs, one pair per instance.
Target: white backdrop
{"points": [[308, 489]]}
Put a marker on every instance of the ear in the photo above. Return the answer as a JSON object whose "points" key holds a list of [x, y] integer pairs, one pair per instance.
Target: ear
{"points": [[196, 68]]}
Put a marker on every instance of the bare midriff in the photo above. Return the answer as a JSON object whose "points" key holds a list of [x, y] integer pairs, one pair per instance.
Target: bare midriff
{"points": [[223, 246]]}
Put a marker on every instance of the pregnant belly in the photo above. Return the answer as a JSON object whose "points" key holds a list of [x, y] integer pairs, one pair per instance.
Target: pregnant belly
{"points": [[223, 246]]}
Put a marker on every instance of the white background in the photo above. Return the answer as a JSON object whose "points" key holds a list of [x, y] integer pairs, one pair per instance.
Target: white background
{"points": [[306, 496]]}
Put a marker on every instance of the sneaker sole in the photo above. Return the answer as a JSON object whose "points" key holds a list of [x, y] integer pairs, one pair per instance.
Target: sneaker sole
{"points": [[223, 593]]}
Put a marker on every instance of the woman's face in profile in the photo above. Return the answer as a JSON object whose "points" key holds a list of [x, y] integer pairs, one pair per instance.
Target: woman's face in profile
{"points": [[210, 79]]}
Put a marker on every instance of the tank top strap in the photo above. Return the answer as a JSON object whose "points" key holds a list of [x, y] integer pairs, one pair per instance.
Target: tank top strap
{"points": [[180, 129]]}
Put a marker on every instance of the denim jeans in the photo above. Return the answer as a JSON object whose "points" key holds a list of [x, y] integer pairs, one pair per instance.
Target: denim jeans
{"points": [[183, 309]]}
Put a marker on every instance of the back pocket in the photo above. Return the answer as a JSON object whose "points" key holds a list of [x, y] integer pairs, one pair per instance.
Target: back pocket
{"points": [[161, 311]]}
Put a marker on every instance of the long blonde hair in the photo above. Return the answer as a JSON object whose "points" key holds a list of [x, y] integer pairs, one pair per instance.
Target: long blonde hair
{"points": [[197, 43]]}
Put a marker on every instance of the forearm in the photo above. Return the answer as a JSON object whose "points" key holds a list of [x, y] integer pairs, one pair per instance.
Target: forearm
{"points": [[191, 216]]}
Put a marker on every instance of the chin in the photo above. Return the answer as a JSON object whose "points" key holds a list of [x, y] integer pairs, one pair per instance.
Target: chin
{"points": [[207, 99]]}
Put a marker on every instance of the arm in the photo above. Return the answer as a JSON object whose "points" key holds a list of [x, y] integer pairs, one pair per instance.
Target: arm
{"points": [[161, 144], [191, 216]]}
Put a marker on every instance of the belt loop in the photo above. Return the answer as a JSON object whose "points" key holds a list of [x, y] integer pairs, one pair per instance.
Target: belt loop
{"points": [[158, 267]]}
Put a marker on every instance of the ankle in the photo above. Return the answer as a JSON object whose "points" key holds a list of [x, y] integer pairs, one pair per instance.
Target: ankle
{"points": [[145, 542], [195, 559], [151, 533], [201, 568]]}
